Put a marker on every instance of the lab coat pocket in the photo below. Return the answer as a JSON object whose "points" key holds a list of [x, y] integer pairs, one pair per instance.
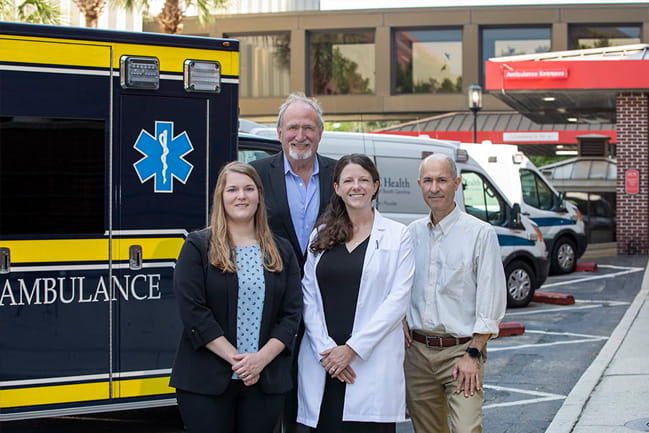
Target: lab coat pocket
{"points": [[382, 267]]}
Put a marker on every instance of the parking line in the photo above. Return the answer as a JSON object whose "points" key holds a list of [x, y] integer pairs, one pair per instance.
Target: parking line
{"points": [[595, 277], [555, 343], [542, 396], [559, 308], [571, 334], [602, 301]]}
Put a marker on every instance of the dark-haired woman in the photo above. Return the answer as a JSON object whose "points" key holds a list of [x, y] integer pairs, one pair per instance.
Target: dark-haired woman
{"points": [[238, 292], [356, 289]]}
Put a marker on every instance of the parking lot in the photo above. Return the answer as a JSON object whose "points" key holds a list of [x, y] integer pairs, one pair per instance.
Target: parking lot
{"points": [[528, 376]]}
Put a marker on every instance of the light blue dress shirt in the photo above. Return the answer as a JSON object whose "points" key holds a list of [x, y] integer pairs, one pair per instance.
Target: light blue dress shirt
{"points": [[303, 201]]}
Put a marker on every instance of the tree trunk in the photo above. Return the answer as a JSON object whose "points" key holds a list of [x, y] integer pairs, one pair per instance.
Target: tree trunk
{"points": [[91, 9], [171, 17]]}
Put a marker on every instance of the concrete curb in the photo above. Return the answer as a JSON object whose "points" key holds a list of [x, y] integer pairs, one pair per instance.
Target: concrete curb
{"points": [[570, 412]]}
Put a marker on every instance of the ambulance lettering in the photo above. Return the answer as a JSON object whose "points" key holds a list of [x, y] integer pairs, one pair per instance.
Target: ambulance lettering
{"points": [[163, 156], [79, 290]]}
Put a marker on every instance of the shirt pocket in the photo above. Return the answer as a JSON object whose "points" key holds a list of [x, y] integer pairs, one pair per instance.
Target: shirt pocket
{"points": [[455, 275]]}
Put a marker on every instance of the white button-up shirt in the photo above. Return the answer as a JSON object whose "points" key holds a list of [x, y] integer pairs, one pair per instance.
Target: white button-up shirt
{"points": [[459, 287]]}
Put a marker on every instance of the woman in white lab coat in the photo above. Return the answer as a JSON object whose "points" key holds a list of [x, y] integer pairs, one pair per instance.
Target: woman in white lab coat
{"points": [[356, 288]]}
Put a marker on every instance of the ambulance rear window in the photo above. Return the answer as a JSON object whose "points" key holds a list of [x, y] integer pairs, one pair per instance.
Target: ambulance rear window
{"points": [[52, 173]]}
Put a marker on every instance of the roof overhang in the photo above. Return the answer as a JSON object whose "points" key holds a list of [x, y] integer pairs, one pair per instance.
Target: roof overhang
{"points": [[578, 86]]}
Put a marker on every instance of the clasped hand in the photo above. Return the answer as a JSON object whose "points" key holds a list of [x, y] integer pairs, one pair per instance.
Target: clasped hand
{"points": [[335, 362], [248, 367]]}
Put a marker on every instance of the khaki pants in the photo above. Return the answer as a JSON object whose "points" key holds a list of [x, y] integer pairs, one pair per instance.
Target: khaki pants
{"points": [[430, 391]]}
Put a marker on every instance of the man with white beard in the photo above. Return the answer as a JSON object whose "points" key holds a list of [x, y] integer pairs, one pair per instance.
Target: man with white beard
{"points": [[297, 186]]}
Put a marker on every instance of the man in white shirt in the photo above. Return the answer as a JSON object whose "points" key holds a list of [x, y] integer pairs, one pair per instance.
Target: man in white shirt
{"points": [[458, 300]]}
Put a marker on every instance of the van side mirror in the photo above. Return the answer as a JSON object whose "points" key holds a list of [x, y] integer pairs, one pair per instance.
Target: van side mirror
{"points": [[558, 202], [515, 218]]}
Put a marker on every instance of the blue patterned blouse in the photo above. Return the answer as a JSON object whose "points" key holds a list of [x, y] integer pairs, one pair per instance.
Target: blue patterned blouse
{"points": [[250, 273]]}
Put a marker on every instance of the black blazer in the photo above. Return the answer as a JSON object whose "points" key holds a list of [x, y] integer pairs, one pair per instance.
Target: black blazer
{"points": [[271, 172], [207, 301]]}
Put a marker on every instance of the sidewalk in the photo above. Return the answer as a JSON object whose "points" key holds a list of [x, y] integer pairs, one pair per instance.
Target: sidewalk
{"points": [[614, 390]]}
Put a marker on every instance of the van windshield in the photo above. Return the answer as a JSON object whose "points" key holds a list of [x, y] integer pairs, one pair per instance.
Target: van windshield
{"points": [[481, 200]]}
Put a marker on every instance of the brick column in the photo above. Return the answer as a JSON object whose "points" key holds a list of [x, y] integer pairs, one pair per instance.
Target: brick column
{"points": [[632, 211]]}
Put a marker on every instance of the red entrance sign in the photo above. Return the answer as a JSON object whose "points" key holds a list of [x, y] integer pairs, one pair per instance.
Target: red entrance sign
{"points": [[632, 181], [535, 74]]}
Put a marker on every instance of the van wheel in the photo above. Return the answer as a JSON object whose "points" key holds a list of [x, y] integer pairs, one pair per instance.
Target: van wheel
{"points": [[520, 284], [564, 257]]}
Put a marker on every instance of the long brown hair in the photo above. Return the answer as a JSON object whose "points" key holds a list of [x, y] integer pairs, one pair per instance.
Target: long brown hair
{"points": [[221, 253], [337, 225]]}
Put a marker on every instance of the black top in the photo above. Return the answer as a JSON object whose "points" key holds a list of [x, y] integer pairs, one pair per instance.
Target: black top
{"points": [[339, 277]]}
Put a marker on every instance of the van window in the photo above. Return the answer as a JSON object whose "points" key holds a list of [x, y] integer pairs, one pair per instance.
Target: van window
{"points": [[249, 155], [536, 193], [52, 173], [481, 200]]}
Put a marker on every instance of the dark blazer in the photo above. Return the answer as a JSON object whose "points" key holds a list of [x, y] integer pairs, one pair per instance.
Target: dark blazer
{"points": [[271, 172], [207, 301]]}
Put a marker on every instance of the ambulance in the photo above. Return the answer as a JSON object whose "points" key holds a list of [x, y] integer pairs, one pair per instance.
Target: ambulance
{"points": [[560, 221], [110, 145]]}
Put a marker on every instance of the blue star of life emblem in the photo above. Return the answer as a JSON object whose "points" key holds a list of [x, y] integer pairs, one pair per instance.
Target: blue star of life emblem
{"points": [[163, 156]]}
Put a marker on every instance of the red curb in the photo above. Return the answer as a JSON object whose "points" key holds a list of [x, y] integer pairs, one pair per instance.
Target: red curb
{"points": [[586, 267], [507, 329], [553, 298]]}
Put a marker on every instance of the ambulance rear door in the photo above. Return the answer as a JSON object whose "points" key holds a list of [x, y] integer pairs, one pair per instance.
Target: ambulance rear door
{"points": [[54, 255]]}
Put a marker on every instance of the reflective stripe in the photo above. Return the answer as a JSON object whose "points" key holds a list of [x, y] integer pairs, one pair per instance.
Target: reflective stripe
{"points": [[90, 250], [71, 393]]}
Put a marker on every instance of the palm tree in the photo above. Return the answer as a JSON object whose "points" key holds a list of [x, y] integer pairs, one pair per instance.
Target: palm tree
{"points": [[91, 10], [30, 11], [173, 11]]}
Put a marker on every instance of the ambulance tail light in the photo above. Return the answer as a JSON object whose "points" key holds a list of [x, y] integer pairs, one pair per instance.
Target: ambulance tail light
{"points": [[202, 76]]}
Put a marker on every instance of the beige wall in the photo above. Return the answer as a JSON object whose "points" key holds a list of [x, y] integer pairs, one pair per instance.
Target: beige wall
{"points": [[382, 104]]}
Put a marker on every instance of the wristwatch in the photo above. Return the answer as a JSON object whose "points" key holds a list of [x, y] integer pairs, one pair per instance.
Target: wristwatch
{"points": [[473, 352]]}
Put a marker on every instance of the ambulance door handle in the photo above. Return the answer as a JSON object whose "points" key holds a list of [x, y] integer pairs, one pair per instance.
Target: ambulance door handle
{"points": [[135, 257], [5, 261]]}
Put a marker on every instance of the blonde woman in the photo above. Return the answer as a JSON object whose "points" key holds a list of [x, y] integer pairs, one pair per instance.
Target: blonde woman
{"points": [[239, 297]]}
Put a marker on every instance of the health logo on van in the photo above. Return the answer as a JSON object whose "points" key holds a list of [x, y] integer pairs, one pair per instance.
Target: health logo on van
{"points": [[163, 156]]}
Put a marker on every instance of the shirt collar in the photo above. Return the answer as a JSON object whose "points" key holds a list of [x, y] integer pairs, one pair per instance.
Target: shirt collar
{"points": [[447, 222], [288, 169]]}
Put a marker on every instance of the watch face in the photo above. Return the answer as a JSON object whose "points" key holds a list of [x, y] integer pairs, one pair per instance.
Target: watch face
{"points": [[473, 352]]}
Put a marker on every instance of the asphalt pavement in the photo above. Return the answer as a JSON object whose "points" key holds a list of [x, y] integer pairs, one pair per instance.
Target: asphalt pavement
{"points": [[612, 396]]}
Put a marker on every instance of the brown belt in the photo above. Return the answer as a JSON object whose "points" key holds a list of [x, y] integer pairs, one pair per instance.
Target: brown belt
{"points": [[433, 341]]}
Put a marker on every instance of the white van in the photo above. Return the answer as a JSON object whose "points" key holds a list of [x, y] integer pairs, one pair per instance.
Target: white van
{"points": [[397, 159], [560, 221]]}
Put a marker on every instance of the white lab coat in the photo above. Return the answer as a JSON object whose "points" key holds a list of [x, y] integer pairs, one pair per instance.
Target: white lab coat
{"points": [[378, 394]]}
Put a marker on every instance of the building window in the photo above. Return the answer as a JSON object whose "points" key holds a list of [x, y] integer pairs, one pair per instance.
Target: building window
{"points": [[264, 69], [427, 61], [503, 42], [341, 62], [595, 36]]}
